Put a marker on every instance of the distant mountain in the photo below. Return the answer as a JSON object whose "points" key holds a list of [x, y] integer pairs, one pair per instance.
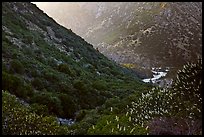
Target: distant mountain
{"points": [[145, 34]]}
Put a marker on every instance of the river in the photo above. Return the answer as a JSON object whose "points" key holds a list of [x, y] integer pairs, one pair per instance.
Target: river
{"points": [[158, 73]]}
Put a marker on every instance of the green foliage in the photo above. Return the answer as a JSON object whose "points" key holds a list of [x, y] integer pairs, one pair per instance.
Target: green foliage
{"points": [[39, 109], [68, 105], [28, 39], [99, 85], [51, 62], [13, 83], [28, 51], [37, 62], [88, 117], [50, 76], [34, 73], [116, 125], [18, 120], [81, 128], [135, 117], [81, 114], [16, 85], [172, 102], [112, 102], [29, 90], [155, 104], [38, 83], [4, 67], [62, 90], [66, 69], [17, 66], [65, 87], [80, 85], [52, 102]]}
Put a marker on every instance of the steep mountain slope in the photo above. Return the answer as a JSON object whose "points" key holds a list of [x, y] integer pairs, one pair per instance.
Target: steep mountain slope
{"points": [[46, 64], [50, 73], [145, 34]]}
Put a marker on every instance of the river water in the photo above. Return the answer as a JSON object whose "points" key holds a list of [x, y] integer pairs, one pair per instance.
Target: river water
{"points": [[156, 76], [62, 121]]}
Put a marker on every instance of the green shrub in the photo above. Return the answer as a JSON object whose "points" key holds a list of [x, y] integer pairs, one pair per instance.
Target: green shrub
{"points": [[68, 105], [34, 73], [28, 51], [21, 92], [38, 52], [14, 55], [27, 39], [52, 63], [80, 85], [16, 85], [39, 109], [50, 76], [116, 125], [4, 67], [38, 83], [99, 85], [11, 82], [112, 102], [52, 102], [81, 128], [115, 72], [16, 66], [81, 114], [172, 103], [29, 91], [19, 120], [66, 69]]}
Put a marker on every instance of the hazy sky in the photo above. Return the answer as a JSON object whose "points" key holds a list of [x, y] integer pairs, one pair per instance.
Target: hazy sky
{"points": [[45, 5], [41, 4], [50, 9]]}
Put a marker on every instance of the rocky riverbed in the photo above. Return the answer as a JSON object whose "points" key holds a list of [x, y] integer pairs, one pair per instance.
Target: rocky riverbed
{"points": [[159, 73], [62, 121]]}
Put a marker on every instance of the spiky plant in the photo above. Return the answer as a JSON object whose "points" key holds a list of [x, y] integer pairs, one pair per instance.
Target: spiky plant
{"points": [[188, 85], [189, 81]]}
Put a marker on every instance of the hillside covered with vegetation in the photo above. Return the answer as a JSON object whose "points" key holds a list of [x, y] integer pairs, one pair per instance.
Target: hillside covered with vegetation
{"points": [[49, 72]]}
